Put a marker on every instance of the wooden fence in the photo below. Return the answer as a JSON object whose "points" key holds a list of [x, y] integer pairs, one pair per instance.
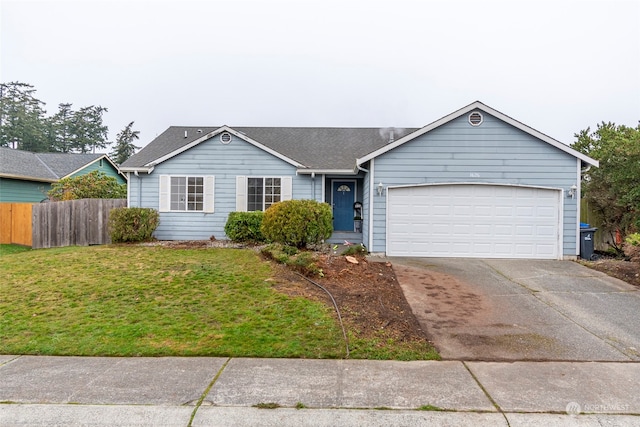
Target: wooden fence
{"points": [[600, 237], [81, 222], [15, 223]]}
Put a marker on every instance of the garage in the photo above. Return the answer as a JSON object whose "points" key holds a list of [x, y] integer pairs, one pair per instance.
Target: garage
{"points": [[474, 221]]}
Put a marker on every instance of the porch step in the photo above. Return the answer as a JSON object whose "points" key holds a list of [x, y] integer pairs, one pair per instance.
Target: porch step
{"points": [[339, 237]]}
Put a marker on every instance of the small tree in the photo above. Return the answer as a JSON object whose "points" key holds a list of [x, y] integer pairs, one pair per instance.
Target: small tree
{"points": [[94, 185], [613, 189], [124, 144]]}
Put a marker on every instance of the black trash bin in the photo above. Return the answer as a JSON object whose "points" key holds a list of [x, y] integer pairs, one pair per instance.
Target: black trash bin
{"points": [[586, 242]]}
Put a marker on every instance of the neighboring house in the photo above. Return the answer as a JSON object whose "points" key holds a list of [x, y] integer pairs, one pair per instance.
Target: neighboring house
{"points": [[26, 177], [475, 183]]}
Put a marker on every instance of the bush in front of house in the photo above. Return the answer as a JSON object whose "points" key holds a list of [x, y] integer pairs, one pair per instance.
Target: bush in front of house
{"points": [[244, 226], [132, 224], [298, 222], [300, 261]]}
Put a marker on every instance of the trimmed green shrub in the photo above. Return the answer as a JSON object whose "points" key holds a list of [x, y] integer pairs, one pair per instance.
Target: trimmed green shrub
{"points": [[302, 262], [298, 222], [244, 226], [132, 224]]}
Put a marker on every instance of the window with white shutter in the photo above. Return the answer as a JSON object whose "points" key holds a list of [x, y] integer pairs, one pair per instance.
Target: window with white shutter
{"points": [[186, 193], [258, 193]]}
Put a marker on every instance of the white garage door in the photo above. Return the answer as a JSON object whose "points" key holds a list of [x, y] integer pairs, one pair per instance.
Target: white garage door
{"points": [[473, 221]]}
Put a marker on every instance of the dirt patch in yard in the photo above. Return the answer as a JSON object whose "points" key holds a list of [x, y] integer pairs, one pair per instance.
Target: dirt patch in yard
{"points": [[620, 269], [368, 295]]}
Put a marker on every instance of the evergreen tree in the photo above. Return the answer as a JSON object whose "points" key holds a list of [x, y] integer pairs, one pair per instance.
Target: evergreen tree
{"points": [[89, 132], [60, 131], [124, 144], [22, 123]]}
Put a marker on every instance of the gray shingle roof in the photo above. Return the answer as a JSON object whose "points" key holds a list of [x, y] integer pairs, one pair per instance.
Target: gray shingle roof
{"points": [[315, 148], [42, 166]]}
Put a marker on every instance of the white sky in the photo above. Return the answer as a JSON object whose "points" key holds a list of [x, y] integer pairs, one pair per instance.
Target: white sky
{"points": [[558, 66]]}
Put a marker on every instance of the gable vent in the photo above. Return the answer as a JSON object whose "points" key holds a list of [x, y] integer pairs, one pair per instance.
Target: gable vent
{"points": [[225, 137], [475, 118]]}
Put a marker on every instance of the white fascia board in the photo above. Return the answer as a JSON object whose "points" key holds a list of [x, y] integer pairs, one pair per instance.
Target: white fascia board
{"points": [[479, 106], [137, 169], [327, 171], [217, 132], [103, 157]]}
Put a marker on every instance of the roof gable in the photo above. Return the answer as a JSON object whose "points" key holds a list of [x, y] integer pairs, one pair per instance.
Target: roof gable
{"points": [[482, 107], [46, 167], [308, 149]]}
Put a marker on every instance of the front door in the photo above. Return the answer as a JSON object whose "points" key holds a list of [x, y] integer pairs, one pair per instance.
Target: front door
{"points": [[343, 195]]}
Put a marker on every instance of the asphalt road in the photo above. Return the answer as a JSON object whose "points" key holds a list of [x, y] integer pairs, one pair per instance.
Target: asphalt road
{"points": [[501, 310]]}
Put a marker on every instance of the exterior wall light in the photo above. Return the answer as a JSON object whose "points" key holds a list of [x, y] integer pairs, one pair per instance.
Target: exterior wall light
{"points": [[572, 191], [380, 189]]}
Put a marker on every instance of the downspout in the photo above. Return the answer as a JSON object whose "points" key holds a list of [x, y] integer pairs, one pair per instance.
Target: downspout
{"points": [[371, 185], [578, 206], [370, 216], [313, 185], [139, 188]]}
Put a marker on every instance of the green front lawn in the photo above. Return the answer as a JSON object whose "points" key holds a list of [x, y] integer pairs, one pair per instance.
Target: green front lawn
{"points": [[154, 301], [12, 249]]}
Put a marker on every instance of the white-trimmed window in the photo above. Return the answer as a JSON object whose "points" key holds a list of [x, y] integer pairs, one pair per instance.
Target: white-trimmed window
{"points": [[180, 193], [258, 193]]}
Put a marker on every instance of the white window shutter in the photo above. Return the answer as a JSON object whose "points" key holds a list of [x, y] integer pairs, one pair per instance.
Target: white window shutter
{"points": [[165, 193], [286, 183], [241, 193], [209, 192]]}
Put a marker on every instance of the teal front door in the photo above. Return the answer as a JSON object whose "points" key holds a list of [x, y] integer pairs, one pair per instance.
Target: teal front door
{"points": [[343, 195]]}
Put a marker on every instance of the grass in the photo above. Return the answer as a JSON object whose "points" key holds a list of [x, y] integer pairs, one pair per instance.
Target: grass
{"points": [[153, 301], [12, 249], [430, 408]]}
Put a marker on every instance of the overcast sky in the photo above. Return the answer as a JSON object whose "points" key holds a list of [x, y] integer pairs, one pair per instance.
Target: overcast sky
{"points": [[557, 66]]}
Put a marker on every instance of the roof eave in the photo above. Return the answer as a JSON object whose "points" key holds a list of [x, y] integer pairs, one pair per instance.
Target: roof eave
{"points": [[138, 169], [327, 171], [26, 178]]}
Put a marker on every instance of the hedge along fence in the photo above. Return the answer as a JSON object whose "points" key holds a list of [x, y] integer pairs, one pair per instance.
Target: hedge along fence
{"points": [[81, 222]]}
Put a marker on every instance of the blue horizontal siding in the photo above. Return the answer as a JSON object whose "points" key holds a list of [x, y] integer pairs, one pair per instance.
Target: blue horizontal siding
{"points": [[494, 152], [225, 162]]}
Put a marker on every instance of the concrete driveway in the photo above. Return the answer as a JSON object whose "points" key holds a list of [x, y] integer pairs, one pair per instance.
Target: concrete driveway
{"points": [[480, 309]]}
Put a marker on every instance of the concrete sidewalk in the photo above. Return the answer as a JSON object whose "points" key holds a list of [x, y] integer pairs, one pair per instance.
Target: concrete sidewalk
{"points": [[83, 391]]}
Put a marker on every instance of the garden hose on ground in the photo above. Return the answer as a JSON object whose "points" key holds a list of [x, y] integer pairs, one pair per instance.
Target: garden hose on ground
{"points": [[344, 332]]}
